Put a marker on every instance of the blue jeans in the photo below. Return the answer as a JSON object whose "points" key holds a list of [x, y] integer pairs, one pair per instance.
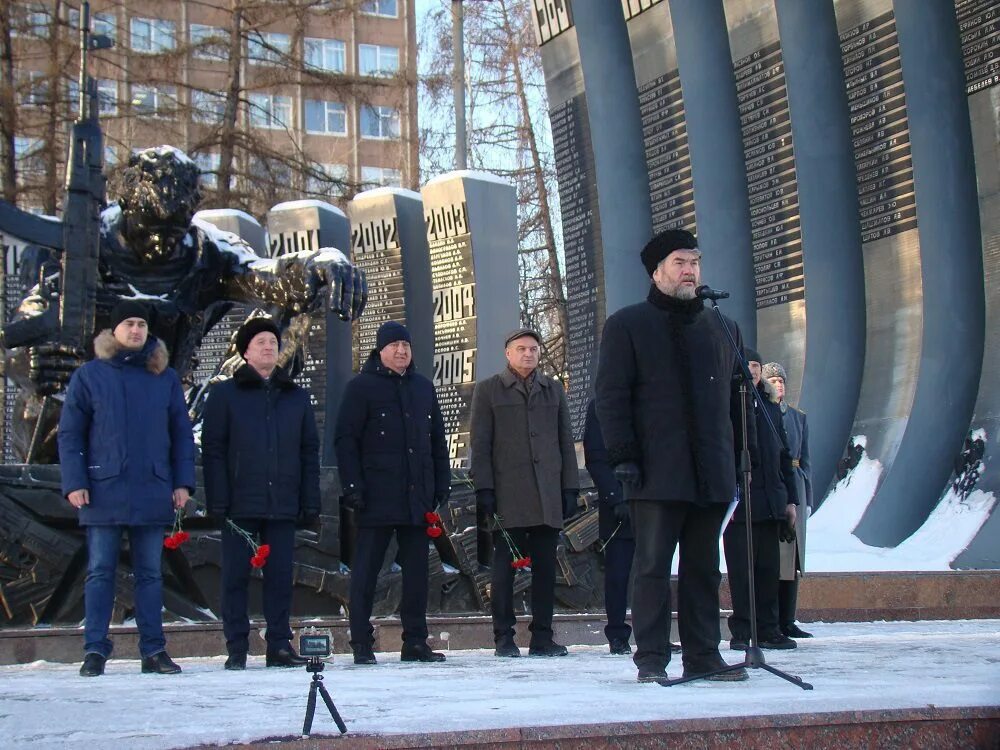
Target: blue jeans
{"points": [[103, 549]]}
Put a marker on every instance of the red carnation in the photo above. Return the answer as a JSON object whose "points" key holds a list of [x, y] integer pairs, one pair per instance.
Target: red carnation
{"points": [[171, 542], [434, 531], [257, 561], [182, 536], [263, 551], [432, 517], [525, 562]]}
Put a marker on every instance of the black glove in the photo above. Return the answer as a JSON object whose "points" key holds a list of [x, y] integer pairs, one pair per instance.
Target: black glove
{"points": [[441, 498], [307, 519], [629, 474], [486, 500], [571, 503], [622, 515], [786, 532], [354, 501]]}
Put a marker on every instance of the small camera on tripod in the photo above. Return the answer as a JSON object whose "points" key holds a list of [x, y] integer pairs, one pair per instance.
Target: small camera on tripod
{"points": [[315, 645]]}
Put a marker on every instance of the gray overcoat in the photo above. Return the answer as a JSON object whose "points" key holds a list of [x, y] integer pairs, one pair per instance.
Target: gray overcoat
{"points": [[522, 448], [793, 554]]}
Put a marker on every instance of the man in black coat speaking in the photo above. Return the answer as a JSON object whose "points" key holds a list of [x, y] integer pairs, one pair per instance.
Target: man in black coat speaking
{"points": [[394, 468], [260, 453], [664, 392]]}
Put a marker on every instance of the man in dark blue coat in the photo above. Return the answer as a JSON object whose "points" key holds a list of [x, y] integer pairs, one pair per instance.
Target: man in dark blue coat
{"points": [[773, 498], [127, 458], [261, 460], [664, 399], [394, 468]]}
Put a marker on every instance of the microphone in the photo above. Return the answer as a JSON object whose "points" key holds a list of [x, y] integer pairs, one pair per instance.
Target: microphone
{"points": [[705, 292]]}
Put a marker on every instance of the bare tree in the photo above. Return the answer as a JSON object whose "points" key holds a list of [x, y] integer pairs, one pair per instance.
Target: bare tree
{"points": [[8, 110], [508, 135]]}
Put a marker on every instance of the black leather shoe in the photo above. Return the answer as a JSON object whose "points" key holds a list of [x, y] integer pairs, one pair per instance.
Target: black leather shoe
{"points": [[659, 676], [159, 664], [236, 662], [547, 649], [93, 665], [419, 652], [736, 675], [364, 655], [778, 641], [507, 648], [794, 631], [619, 646], [738, 644], [285, 657]]}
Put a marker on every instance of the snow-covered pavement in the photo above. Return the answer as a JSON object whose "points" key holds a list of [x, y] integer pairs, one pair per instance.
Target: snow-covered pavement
{"points": [[853, 666]]}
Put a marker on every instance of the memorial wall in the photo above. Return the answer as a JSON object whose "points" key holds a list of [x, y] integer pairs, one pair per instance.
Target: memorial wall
{"points": [[797, 312]]}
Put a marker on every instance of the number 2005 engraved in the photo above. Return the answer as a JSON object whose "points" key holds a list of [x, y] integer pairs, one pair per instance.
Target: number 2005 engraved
{"points": [[455, 368]]}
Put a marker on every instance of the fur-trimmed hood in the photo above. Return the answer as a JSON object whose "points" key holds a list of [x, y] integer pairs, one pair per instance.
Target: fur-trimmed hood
{"points": [[106, 346]]}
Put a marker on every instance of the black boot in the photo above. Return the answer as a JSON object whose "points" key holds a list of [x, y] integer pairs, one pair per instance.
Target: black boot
{"points": [[236, 662], [777, 640], [619, 646], [159, 664], [419, 652], [363, 654], [653, 674], [794, 631], [285, 657], [550, 648], [93, 665], [507, 647]]}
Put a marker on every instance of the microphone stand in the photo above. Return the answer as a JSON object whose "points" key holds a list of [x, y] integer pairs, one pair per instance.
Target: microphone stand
{"points": [[754, 655]]}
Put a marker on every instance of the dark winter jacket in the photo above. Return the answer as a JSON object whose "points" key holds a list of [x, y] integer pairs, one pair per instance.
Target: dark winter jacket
{"points": [[522, 448], [391, 445], [772, 486], [260, 448], [664, 393], [609, 489], [797, 431], [124, 435]]}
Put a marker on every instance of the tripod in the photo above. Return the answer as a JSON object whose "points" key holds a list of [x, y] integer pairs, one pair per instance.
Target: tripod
{"points": [[754, 655], [316, 666]]}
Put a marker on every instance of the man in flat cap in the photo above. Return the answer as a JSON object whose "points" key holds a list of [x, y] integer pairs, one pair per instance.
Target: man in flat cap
{"points": [[527, 481], [127, 457], [394, 469], [664, 393], [260, 452]]}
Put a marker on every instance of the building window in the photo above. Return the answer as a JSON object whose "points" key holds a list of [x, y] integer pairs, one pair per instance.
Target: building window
{"points": [[110, 156], [386, 8], [208, 107], [379, 122], [152, 35], [328, 118], [154, 101], [34, 89], [208, 164], [107, 97], [269, 171], [265, 48], [29, 161], [326, 54], [377, 60], [30, 20], [209, 42], [329, 180], [381, 177], [270, 111], [104, 24]]}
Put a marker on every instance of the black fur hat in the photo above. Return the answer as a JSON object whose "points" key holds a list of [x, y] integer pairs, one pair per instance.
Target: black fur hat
{"points": [[251, 328], [665, 243]]}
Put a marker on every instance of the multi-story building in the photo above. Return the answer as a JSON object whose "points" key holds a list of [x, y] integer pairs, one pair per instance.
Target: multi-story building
{"points": [[323, 92]]}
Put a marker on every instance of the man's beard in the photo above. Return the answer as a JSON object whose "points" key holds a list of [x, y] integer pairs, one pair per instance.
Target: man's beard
{"points": [[683, 291]]}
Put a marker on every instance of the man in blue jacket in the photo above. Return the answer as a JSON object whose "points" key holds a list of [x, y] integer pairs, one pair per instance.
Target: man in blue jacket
{"points": [[127, 457], [260, 451], [394, 468]]}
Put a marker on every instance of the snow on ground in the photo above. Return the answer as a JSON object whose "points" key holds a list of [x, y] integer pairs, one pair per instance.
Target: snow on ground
{"points": [[853, 666]]}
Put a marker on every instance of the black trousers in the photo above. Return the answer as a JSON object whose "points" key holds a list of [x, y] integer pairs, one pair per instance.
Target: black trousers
{"points": [[618, 556], [766, 569], [369, 554], [660, 526], [538, 543], [277, 598], [788, 601]]}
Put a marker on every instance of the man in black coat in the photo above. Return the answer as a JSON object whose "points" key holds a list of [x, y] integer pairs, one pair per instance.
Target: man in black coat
{"points": [[260, 453], [394, 468], [773, 498], [664, 394]]}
